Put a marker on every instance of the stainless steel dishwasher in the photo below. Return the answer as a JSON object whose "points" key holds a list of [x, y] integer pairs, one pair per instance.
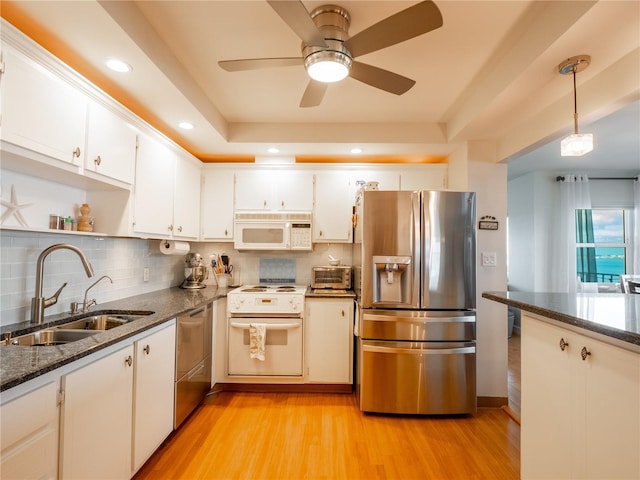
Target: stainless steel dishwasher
{"points": [[193, 360]]}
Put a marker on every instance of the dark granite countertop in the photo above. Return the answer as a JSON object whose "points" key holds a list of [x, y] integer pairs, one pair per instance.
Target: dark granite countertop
{"points": [[21, 363], [612, 317]]}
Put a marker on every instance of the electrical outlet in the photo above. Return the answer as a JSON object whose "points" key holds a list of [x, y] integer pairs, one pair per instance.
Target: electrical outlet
{"points": [[145, 274], [489, 259]]}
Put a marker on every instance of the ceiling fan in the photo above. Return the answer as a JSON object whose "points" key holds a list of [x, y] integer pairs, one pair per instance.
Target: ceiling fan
{"points": [[328, 51]]}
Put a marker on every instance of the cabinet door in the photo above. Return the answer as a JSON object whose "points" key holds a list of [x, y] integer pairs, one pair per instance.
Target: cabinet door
{"points": [[40, 111], [333, 207], [216, 209], [547, 440], [29, 440], [186, 201], [329, 340], [155, 167], [153, 392], [96, 418], [111, 144], [254, 190], [612, 413], [274, 190], [294, 191]]}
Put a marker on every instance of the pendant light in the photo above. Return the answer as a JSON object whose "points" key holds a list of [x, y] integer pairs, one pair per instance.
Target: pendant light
{"points": [[576, 144]]}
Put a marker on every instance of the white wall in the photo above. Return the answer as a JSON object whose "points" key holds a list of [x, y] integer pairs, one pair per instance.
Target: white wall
{"points": [[531, 207], [476, 171]]}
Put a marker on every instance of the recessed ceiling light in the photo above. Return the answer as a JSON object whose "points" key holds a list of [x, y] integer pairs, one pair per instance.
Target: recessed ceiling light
{"points": [[118, 65], [273, 150], [356, 150], [186, 125]]}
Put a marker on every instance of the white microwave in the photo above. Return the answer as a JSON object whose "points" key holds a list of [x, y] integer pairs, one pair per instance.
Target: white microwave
{"points": [[272, 230]]}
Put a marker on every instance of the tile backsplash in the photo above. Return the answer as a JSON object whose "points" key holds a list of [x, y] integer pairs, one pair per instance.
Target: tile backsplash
{"points": [[124, 260]]}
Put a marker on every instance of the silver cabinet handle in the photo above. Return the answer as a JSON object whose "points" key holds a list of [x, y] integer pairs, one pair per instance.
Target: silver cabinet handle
{"points": [[170, 228], [180, 229], [584, 353], [563, 344], [97, 160], [146, 349], [128, 360]]}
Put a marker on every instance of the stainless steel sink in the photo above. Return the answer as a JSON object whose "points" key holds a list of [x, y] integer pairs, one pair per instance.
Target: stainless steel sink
{"points": [[99, 322], [76, 329], [51, 336]]}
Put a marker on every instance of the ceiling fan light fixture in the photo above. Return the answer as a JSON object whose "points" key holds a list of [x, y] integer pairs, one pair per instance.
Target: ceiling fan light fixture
{"points": [[576, 144], [328, 66]]}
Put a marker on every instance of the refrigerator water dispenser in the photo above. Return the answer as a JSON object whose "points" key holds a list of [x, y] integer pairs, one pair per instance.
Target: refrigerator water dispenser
{"points": [[391, 279]]}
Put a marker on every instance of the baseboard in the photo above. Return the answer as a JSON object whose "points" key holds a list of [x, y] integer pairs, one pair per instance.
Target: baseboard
{"points": [[281, 387], [492, 402]]}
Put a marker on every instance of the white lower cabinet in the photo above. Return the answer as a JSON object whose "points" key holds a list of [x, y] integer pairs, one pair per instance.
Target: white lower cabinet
{"points": [[29, 439], [96, 419], [580, 417], [153, 392], [107, 424], [328, 335]]}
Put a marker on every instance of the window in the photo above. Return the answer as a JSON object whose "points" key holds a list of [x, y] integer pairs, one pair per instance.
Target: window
{"points": [[602, 244]]}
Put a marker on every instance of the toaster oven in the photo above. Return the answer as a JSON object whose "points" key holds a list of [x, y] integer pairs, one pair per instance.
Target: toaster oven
{"points": [[335, 278]]}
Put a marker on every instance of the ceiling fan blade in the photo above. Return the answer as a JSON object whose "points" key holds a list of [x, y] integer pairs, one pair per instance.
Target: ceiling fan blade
{"points": [[257, 63], [313, 94], [297, 17], [380, 78], [409, 23]]}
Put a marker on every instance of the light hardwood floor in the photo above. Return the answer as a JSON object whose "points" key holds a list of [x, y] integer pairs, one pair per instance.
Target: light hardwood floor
{"points": [[240, 435]]}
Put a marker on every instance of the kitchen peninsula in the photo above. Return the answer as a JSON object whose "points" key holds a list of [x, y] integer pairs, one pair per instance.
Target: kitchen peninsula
{"points": [[580, 364]]}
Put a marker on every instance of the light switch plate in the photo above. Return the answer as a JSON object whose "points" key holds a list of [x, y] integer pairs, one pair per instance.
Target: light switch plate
{"points": [[489, 259]]}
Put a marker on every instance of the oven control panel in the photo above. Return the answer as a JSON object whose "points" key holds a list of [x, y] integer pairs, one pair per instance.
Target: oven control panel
{"points": [[272, 304]]}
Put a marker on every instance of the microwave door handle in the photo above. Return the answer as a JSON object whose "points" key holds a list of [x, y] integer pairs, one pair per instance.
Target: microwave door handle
{"points": [[287, 235]]}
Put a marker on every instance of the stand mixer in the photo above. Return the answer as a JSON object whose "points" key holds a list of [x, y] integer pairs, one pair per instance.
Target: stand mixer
{"points": [[195, 272]]}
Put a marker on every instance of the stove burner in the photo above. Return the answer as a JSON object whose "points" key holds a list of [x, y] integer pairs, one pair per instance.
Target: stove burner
{"points": [[254, 290], [285, 289]]}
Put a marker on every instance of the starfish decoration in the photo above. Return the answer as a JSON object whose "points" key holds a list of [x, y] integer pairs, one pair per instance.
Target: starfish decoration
{"points": [[13, 208]]}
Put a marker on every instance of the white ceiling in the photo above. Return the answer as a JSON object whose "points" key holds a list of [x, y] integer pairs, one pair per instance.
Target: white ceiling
{"points": [[490, 73]]}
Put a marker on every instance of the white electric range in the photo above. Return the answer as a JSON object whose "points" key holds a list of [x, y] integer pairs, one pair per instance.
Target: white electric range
{"points": [[278, 311]]}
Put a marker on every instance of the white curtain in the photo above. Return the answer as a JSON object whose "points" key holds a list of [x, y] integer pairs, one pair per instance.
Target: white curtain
{"points": [[636, 227], [574, 194]]}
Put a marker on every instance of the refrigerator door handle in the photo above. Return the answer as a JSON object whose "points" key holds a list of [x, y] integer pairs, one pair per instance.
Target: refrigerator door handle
{"points": [[422, 319], [418, 351]]}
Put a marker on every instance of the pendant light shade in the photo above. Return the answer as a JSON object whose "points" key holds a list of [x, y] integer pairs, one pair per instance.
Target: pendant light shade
{"points": [[576, 144]]}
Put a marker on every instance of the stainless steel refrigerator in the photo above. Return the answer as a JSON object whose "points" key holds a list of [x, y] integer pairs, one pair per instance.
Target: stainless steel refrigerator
{"points": [[415, 279]]}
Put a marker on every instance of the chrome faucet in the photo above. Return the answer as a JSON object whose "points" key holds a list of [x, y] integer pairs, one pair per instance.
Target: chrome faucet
{"points": [[87, 303], [39, 303]]}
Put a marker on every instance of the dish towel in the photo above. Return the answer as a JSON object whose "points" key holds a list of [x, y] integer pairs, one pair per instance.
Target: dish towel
{"points": [[257, 336]]}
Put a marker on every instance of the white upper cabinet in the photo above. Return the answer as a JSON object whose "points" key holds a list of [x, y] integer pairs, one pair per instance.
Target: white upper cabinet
{"points": [[154, 188], [333, 207], [41, 111], [111, 144], [167, 192], [216, 216], [274, 190], [387, 179], [186, 201]]}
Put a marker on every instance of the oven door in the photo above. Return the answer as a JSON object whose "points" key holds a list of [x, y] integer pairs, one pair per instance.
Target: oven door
{"points": [[282, 347]]}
